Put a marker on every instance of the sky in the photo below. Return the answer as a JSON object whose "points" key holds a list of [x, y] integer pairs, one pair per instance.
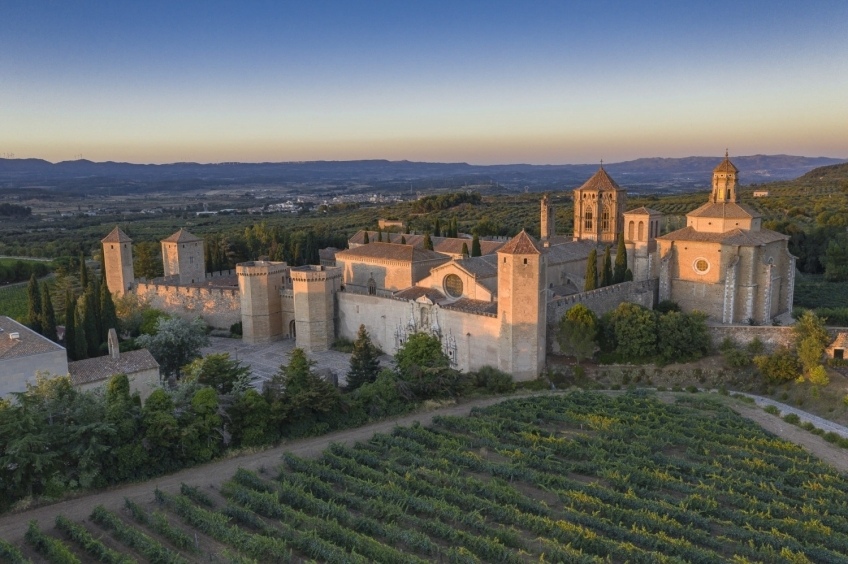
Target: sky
{"points": [[480, 82]]}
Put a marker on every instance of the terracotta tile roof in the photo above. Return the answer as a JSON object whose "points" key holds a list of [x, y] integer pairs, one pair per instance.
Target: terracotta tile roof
{"points": [[521, 244], [726, 166], [473, 306], [841, 342], [28, 342], [328, 253], [415, 292], [728, 210], [390, 251], [182, 236], [448, 245], [733, 237], [643, 211], [600, 181], [478, 266], [116, 236], [570, 251], [102, 367]]}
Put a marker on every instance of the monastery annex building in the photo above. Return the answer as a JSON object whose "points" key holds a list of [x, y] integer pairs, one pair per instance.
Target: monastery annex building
{"points": [[497, 309]]}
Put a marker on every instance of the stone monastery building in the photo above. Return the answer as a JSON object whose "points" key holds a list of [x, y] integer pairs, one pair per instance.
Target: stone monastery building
{"points": [[497, 309]]}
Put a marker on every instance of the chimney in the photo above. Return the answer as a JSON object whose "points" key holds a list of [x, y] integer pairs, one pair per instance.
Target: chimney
{"points": [[15, 336], [114, 349]]}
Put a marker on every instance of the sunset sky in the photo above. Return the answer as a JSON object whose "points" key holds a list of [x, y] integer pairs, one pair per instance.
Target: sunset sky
{"points": [[481, 82]]}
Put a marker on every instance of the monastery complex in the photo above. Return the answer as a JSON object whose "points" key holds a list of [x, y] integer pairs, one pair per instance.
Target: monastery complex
{"points": [[497, 309]]}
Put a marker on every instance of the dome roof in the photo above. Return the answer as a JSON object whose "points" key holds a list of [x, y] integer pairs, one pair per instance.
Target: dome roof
{"points": [[726, 165]]}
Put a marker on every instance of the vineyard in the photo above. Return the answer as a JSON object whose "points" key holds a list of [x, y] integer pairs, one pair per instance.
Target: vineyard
{"points": [[570, 478], [13, 301]]}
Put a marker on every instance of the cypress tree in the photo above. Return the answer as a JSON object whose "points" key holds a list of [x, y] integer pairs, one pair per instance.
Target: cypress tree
{"points": [[437, 229], [108, 316], [454, 228], [591, 271], [34, 300], [606, 273], [620, 261], [475, 246], [80, 343], [365, 238], [364, 365], [83, 273], [379, 235], [428, 242], [48, 315], [70, 325], [87, 324], [402, 240], [464, 250]]}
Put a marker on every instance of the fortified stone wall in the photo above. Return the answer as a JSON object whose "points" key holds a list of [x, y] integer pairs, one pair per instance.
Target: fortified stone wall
{"points": [[600, 301], [472, 339], [218, 307], [771, 336]]}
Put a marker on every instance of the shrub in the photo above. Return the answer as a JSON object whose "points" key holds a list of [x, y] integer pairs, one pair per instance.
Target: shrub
{"points": [[792, 418], [692, 389], [773, 409], [832, 437], [493, 380], [343, 345], [736, 358], [807, 426], [727, 344], [755, 346], [236, 329], [778, 367], [818, 376]]}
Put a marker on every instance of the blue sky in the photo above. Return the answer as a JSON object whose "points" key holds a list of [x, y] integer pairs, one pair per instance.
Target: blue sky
{"points": [[481, 82]]}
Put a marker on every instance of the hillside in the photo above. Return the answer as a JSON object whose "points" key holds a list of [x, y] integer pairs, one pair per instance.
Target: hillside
{"points": [[648, 174]]}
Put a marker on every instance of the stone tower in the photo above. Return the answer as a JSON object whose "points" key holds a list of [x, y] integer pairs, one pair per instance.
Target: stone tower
{"points": [[724, 182], [547, 227], [260, 283], [522, 307], [183, 257], [598, 208], [315, 290], [641, 229], [118, 262]]}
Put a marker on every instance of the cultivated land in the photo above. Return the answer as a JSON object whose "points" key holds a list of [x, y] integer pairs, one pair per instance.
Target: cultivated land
{"points": [[572, 477]]}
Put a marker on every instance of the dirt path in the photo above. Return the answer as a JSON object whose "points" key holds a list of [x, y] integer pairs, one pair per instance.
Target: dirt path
{"points": [[13, 526]]}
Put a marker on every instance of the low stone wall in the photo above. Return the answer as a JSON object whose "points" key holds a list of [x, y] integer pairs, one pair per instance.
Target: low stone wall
{"points": [[772, 337], [600, 301], [218, 307]]}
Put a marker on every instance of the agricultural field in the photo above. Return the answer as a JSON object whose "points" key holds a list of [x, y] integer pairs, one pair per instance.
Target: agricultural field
{"points": [[583, 477], [13, 301]]}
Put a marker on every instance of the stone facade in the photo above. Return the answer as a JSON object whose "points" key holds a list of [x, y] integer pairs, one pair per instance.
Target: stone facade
{"points": [[261, 284], [315, 289], [219, 307], [183, 258], [118, 262], [23, 353], [599, 206]]}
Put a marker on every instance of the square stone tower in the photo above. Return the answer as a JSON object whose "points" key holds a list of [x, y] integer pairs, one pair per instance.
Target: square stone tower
{"points": [[641, 229], [260, 283], [315, 290], [522, 307], [183, 257], [118, 262], [598, 207]]}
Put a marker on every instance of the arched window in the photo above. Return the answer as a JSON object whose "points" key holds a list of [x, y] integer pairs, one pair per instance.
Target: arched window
{"points": [[630, 228], [641, 230], [588, 219], [605, 219]]}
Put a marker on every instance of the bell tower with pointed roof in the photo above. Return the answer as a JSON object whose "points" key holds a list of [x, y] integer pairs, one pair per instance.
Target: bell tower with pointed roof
{"points": [[118, 261], [724, 182], [598, 207]]}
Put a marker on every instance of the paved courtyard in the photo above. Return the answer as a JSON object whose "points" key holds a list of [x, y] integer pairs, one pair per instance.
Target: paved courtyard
{"points": [[265, 360]]}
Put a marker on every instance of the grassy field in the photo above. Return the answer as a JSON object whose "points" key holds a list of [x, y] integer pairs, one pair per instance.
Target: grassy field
{"points": [[13, 301], [577, 478]]}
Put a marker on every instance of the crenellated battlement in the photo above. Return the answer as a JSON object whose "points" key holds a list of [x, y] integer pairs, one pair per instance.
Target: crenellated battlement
{"points": [[314, 273], [261, 268]]}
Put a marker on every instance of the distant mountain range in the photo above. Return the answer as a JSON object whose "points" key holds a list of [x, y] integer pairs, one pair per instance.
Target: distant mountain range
{"points": [[647, 174]]}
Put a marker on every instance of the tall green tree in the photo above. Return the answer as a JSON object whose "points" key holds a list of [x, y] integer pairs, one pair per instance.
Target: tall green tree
{"points": [[811, 338], [147, 262], [606, 272], [298, 393], [379, 234], [428, 242], [464, 250], [577, 334], [83, 272], [437, 228], [422, 363], [836, 259], [108, 315], [364, 364], [475, 246], [34, 309], [365, 238], [618, 275], [591, 271], [220, 372], [88, 320], [176, 343], [48, 314], [70, 325]]}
